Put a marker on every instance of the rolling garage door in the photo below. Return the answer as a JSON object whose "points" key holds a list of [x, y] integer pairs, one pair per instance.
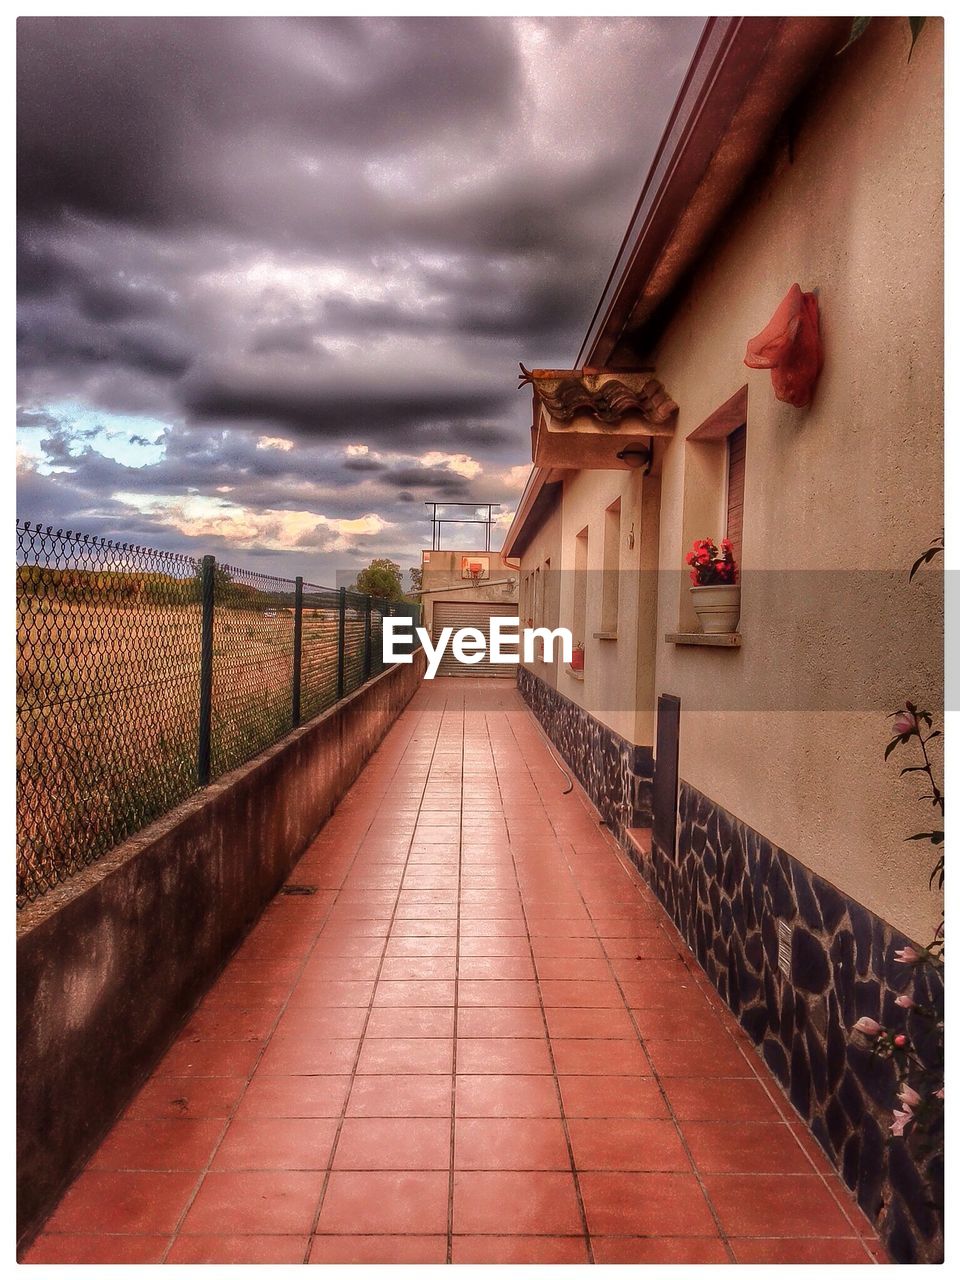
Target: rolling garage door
{"points": [[456, 615]]}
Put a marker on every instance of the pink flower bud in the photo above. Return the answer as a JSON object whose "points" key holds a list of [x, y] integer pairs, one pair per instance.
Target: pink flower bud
{"points": [[908, 1096], [900, 1121], [900, 1041], [905, 722], [906, 1002], [868, 1027], [908, 955]]}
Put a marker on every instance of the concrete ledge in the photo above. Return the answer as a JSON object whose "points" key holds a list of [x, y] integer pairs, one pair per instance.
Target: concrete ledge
{"points": [[109, 964]]}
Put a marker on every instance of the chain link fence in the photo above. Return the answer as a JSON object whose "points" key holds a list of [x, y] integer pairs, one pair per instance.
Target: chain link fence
{"points": [[143, 675]]}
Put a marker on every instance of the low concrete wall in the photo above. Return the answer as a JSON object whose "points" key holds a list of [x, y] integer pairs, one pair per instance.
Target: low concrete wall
{"points": [[109, 964]]}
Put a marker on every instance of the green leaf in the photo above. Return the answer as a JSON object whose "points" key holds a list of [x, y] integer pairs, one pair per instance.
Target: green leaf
{"points": [[916, 26], [857, 28]]}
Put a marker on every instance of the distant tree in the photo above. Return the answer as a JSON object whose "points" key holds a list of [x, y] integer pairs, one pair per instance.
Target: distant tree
{"points": [[224, 588], [381, 578], [416, 579]]}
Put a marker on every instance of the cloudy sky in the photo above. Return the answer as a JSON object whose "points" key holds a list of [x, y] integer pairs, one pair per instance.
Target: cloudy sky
{"points": [[275, 275]]}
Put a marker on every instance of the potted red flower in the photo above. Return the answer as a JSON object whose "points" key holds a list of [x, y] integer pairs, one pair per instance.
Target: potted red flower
{"points": [[715, 591], [576, 659]]}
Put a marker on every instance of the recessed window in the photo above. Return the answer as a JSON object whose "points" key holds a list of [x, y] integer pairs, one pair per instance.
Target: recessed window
{"points": [[580, 587], [610, 594], [736, 471]]}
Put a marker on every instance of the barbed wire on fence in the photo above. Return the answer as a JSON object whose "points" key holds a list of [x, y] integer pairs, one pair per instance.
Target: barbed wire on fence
{"points": [[144, 674]]}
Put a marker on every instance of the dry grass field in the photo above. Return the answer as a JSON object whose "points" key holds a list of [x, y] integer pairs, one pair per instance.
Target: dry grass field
{"points": [[108, 711]]}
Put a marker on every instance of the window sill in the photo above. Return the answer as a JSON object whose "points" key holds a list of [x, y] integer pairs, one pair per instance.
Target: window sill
{"points": [[574, 675], [723, 640], [604, 635]]}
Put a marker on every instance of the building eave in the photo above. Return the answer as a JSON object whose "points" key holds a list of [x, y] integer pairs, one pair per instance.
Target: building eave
{"points": [[743, 76]]}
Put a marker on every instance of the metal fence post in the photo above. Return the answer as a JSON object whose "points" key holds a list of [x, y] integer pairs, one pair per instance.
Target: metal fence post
{"points": [[207, 580], [341, 643], [367, 639], [297, 649]]}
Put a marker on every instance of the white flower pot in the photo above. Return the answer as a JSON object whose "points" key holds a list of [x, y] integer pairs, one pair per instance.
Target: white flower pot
{"points": [[717, 608]]}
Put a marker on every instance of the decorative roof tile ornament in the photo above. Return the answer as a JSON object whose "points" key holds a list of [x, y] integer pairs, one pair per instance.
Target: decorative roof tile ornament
{"points": [[608, 395]]}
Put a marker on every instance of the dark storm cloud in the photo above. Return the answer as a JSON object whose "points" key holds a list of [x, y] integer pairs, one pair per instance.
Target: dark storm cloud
{"points": [[429, 479], [333, 231]]}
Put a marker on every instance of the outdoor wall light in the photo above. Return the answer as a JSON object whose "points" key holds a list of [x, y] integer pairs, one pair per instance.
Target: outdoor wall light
{"points": [[637, 455]]}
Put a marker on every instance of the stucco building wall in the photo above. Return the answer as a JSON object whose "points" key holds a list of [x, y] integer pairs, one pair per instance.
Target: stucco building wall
{"points": [[788, 732]]}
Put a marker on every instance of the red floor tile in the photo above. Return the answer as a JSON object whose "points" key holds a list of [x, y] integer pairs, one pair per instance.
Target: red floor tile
{"points": [[187, 1096], [665, 1250], [507, 1096], [520, 1250], [210, 1058], [417, 1056], [724, 1099], [400, 1096], [651, 1146], [393, 1144], [289, 1097], [423, 994], [293, 1055], [436, 1023], [590, 1024], [720, 1147], [510, 1144], [159, 1145], [528, 1203], [350, 1249], [504, 1056], [257, 1142], [273, 1202], [374, 1203], [230, 1022], [238, 1249], [311, 1023], [600, 1057], [775, 1205], [645, 1204], [688, 1058], [417, 968], [774, 1253], [100, 1250], [123, 1203], [613, 1097], [493, 993], [493, 1024], [329, 993]]}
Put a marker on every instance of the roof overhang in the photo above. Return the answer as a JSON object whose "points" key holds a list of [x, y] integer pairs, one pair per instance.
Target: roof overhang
{"points": [[742, 78]]}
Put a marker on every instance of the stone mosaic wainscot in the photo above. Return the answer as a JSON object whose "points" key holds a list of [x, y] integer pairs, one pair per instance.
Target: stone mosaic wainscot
{"points": [[617, 776], [727, 891]]}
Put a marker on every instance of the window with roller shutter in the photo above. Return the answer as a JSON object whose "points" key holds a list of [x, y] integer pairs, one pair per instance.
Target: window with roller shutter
{"points": [[736, 464]]}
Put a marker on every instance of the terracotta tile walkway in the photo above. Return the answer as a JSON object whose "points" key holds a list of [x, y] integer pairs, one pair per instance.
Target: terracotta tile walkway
{"points": [[480, 1040]]}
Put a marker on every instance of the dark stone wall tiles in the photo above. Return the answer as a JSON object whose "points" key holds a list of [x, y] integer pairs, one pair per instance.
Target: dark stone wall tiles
{"points": [[616, 775], [727, 891]]}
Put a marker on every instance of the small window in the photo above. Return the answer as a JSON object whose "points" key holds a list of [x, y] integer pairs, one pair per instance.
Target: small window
{"points": [[537, 597], [610, 596], [736, 470], [580, 587]]}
